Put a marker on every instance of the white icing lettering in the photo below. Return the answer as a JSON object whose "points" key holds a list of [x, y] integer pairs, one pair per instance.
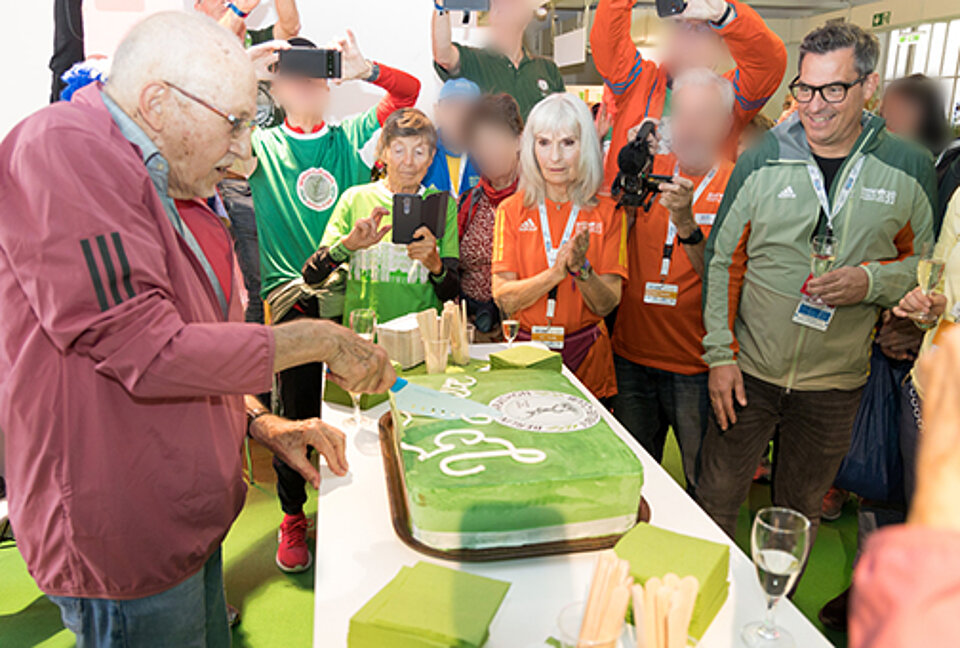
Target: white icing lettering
{"points": [[472, 438]]}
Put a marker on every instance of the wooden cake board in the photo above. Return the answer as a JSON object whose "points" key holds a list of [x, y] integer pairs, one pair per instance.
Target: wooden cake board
{"points": [[393, 469]]}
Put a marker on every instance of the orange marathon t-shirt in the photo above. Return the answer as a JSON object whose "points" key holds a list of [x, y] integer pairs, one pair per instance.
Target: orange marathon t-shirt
{"points": [[518, 247], [669, 338]]}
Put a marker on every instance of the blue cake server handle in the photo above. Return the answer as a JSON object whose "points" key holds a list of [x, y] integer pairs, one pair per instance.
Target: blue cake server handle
{"points": [[423, 401]]}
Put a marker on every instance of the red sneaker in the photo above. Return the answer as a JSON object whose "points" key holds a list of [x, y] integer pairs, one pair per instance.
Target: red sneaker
{"points": [[293, 554], [832, 507]]}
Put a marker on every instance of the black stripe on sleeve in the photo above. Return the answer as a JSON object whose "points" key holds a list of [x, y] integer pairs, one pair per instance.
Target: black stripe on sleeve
{"points": [[124, 264], [108, 267], [94, 274]]}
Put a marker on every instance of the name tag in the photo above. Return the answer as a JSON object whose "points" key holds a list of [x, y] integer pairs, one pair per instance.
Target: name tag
{"points": [[551, 336], [812, 314], [661, 293], [705, 219]]}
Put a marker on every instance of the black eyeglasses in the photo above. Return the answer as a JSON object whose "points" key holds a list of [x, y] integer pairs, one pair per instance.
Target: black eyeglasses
{"points": [[238, 126], [834, 92]]}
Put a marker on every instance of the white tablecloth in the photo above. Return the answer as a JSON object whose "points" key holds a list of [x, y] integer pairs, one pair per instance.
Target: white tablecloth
{"points": [[357, 553]]}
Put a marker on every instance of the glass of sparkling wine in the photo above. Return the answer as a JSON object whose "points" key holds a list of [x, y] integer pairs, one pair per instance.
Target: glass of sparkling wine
{"points": [[929, 274], [511, 328], [823, 252], [780, 542], [363, 322]]}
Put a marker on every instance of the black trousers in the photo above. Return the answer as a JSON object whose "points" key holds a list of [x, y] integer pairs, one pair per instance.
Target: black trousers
{"points": [[67, 42], [299, 395]]}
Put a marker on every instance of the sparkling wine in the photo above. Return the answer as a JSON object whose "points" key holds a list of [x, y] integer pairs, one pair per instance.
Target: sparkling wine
{"points": [[820, 264], [778, 570], [929, 274], [511, 328]]}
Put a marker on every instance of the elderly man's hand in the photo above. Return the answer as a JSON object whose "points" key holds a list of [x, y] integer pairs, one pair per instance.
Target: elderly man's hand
{"points": [[424, 250], [841, 287], [653, 140], [724, 384], [263, 57], [899, 338], [677, 197], [353, 65], [289, 441], [367, 232], [357, 365], [712, 10], [916, 304]]}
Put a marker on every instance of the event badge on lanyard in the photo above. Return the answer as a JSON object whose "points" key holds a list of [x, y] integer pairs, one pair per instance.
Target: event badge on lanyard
{"points": [[811, 312], [660, 292], [549, 335]]}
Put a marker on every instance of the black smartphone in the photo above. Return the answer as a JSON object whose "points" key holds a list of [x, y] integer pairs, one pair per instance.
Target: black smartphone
{"points": [[466, 5], [434, 214], [407, 217], [666, 8], [310, 62]]}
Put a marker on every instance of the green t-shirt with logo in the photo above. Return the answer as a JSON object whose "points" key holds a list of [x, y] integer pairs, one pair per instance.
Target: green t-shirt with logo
{"points": [[296, 184], [528, 83], [383, 277]]}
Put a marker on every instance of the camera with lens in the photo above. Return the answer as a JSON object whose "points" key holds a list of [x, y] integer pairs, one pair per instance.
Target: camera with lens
{"points": [[634, 185]]}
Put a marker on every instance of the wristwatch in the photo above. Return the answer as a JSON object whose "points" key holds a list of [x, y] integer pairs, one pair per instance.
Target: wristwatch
{"points": [[253, 414], [235, 9], [693, 239], [583, 274]]}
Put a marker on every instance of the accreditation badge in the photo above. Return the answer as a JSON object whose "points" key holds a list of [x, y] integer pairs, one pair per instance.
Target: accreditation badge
{"points": [[811, 312], [549, 336], [662, 294]]}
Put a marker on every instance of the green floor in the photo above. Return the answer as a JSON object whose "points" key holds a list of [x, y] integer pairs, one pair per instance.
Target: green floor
{"points": [[277, 608]]}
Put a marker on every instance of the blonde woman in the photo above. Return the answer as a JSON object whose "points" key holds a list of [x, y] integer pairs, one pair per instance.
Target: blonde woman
{"points": [[560, 252]]}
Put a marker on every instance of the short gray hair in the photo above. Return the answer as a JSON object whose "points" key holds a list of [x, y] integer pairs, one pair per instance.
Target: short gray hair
{"points": [[561, 112], [841, 35], [705, 77]]}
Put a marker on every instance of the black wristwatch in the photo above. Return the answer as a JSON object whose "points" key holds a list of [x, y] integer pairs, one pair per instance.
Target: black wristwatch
{"points": [[693, 239], [254, 414]]}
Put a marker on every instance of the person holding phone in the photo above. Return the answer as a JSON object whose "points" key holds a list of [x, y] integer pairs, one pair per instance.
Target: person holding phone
{"points": [[559, 251], [392, 278]]}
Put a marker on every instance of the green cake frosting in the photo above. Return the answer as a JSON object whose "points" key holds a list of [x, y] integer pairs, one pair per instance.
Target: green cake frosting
{"points": [[478, 485], [427, 606], [652, 551]]}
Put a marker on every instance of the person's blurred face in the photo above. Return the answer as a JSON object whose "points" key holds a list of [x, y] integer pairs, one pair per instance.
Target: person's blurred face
{"points": [[749, 136], [496, 150], [301, 96], [699, 125], [407, 160], [902, 115], [829, 124], [558, 156], [450, 116], [691, 44], [510, 14]]}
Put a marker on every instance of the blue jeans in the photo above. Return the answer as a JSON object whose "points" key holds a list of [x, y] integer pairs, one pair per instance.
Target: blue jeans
{"points": [[192, 614], [238, 201], [650, 401]]}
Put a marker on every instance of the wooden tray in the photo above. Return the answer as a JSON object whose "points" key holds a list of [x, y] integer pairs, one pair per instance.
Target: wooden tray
{"points": [[393, 468]]}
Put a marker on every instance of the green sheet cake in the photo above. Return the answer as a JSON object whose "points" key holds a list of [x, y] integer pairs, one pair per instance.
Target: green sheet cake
{"points": [[554, 471]]}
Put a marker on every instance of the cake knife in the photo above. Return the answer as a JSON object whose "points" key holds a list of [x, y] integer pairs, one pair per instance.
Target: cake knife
{"points": [[423, 401]]}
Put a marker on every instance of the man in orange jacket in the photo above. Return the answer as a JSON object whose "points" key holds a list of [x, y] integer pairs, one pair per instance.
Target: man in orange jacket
{"points": [[641, 88]]}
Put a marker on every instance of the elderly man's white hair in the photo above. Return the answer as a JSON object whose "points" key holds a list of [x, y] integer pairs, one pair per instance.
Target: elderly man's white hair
{"points": [[187, 49], [705, 77]]}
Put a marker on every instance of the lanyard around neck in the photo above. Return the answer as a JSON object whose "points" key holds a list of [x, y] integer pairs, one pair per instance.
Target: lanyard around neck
{"points": [[819, 187], [669, 242], [552, 252]]}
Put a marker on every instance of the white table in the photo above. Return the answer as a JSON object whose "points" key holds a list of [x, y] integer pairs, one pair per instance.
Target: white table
{"points": [[358, 552]]}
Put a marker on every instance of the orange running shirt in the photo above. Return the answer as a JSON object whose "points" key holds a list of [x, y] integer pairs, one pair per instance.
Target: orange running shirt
{"points": [[659, 336]]}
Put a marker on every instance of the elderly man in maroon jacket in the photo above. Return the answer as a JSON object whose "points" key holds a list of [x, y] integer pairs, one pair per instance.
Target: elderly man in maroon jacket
{"points": [[124, 362]]}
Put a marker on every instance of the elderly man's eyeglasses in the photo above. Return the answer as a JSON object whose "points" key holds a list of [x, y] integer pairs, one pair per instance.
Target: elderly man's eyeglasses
{"points": [[834, 92], [238, 126]]}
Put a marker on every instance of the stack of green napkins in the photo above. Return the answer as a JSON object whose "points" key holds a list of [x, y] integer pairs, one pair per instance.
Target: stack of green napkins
{"points": [[526, 357], [428, 606], [652, 551]]}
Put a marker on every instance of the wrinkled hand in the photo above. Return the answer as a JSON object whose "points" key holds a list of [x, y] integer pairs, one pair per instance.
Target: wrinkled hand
{"points": [[677, 198], [353, 65], [919, 306], [704, 10], [357, 365], [367, 232], [579, 246], [841, 287], [653, 140], [899, 338], [264, 55], [289, 441], [725, 383], [424, 250]]}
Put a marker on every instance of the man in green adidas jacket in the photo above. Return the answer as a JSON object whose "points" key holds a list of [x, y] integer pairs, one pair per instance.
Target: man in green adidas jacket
{"points": [[791, 367]]}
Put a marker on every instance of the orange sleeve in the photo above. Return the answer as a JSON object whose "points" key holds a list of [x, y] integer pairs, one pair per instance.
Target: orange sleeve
{"points": [[761, 59], [617, 59], [613, 255], [504, 241], [738, 268]]}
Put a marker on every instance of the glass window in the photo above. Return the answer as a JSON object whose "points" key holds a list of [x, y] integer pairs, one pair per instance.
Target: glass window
{"points": [[937, 39], [949, 68]]}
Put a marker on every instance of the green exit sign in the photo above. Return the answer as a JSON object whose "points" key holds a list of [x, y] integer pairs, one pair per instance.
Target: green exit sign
{"points": [[881, 18]]}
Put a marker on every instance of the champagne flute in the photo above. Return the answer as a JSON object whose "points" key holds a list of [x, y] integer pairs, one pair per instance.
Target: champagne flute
{"points": [[929, 274], [511, 328], [363, 322], [823, 252], [780, 543]]}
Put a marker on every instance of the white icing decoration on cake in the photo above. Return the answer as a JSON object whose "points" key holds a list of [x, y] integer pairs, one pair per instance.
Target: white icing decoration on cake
{"points": [[473, 437], [546, 411], [459, 388]]}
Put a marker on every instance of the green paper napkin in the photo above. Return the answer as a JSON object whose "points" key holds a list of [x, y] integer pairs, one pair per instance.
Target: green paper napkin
{"points": [[428, 605], [526, 357], [652, 551]]}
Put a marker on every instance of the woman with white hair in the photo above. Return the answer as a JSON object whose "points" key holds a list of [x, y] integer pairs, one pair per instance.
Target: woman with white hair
{"points": [[560, 250]]}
